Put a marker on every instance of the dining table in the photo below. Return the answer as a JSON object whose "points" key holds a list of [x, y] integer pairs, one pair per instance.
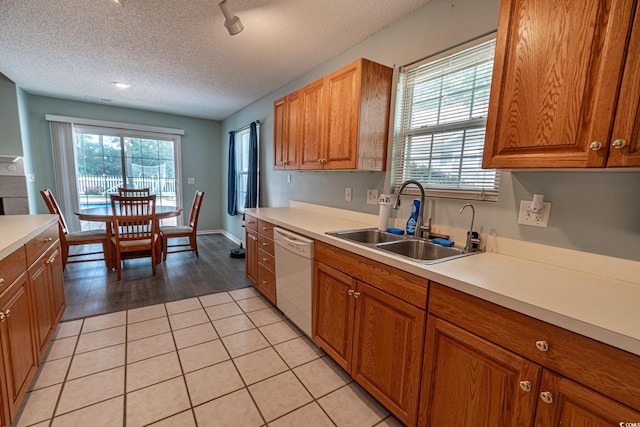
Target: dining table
{"points": [[105, 214]]}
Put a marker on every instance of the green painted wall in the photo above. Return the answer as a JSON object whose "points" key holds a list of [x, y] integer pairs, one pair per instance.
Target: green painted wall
{"points": [[592, 211], [201, 149]]}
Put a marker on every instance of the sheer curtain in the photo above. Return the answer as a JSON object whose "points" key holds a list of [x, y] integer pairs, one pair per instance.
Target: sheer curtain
{"points": [[65, 171]]}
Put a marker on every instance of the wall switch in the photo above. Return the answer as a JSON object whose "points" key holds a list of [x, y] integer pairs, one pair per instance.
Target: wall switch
{"points": [[289, 179], [372, 196], [191, 180], [528, 217], [347, 194]]}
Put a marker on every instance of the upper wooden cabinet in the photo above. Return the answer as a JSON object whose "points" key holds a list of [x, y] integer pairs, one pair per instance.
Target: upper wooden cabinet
{"points": [[338, 122], [286, 132], [564, 92]]}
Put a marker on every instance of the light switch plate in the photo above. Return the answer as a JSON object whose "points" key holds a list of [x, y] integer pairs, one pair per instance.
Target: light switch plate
{"points": [[526, 217], [347, 194], [372, 196], [191, 180]]}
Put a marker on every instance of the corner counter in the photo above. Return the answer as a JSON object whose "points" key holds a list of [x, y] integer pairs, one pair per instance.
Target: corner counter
{"points": [[16, 230]]}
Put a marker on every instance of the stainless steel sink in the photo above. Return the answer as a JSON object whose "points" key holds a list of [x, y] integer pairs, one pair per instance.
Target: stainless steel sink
{"points": [[422, 250], [367, 236], [416, 249]]}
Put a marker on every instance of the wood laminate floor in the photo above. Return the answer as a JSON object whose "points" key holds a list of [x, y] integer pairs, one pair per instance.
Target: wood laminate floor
{"points": [[90, 289]]}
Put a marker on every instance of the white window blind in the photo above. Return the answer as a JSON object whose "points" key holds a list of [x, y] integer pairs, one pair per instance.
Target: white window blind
{"points": [[441, 115]]}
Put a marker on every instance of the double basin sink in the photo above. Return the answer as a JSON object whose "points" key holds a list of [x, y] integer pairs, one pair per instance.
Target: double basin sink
{"points": [[416, 249]]}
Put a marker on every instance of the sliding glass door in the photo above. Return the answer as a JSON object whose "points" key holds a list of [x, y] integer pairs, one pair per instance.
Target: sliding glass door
{"points": [[106, 159]]}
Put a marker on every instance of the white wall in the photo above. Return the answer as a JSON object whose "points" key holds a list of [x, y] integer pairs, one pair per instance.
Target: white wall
{"points": [[593, 211]]}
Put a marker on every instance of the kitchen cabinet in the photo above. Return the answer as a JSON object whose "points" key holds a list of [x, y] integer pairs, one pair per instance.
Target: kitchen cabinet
{"points": [[566, 84], [370, 319], [286, 132], [487, 365], [31, 304], [260, 257], [343, 119]]}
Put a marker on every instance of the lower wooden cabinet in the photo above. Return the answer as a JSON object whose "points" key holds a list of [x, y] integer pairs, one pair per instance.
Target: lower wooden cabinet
{"points": [[260, 259], [55, 271], [485, 365], [468, 381], [17, 337], [5, 419], [375, 336]]}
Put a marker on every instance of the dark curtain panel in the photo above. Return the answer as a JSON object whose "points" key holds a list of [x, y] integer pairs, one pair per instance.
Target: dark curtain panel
{"points": [[251, 200], [232, 202]]}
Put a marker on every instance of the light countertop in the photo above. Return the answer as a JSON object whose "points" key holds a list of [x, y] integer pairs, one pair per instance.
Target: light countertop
{"points": [[16, 230], [599, 307]]}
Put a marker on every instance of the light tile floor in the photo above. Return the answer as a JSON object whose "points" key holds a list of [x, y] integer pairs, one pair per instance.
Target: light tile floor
{"points": [[225, 359]]}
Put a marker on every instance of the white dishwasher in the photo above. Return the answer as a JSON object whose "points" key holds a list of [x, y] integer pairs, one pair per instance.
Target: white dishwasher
{"points": [[294, 276]]}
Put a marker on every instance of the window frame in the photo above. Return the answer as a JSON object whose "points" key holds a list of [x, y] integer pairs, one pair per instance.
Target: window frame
{"points": [[242, 169], [399, 158]]}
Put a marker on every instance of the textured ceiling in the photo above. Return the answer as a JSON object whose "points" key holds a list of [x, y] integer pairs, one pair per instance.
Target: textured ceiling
{"points": [[176, 54]]}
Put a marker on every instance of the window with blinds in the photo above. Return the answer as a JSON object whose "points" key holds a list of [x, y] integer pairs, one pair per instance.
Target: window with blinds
{"points": [[441, 115]]}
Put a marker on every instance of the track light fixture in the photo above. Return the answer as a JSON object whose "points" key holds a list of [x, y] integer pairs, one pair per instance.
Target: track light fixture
{"points": [[232, 22]]}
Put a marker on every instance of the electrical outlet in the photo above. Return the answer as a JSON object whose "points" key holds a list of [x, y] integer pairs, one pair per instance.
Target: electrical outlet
{"points": [[191, 180], [527, 217], [289, 179], [372, 196], [347, 194]]}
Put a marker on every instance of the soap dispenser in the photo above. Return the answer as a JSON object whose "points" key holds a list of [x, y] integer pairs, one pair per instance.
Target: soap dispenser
{"points": [[412, 222]]}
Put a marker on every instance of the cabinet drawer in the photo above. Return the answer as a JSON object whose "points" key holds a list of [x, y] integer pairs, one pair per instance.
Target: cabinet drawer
{"points": [[11, 267], [251, 222], [265, 228], [36, 246], [606, 369], [267, 260], [266, 244], [267, 283]]}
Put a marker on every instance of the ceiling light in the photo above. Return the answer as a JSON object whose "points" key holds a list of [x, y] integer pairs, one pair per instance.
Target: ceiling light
{"points": [[121, 2], [232, 22], [121, 85]]}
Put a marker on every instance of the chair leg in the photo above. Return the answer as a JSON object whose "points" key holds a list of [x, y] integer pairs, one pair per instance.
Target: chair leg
{"points": [[118, 266], [194, 244], [165, 247], [65, 255]]}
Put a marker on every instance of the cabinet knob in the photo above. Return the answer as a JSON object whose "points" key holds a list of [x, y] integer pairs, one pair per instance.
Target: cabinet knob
{"points": [[542, 345], [3, 317], [356, 294], [48, 239], [8, 313], [619, 143], [265, 243], [1, 281], [525, 386], [265, 228], [350, 292], [264, 282], [265, 259], [546, 397], [595, 145]]}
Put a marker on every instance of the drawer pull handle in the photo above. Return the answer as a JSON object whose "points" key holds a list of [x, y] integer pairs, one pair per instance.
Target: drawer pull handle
{"points": [[595, 145], [525, 386], [619, 143], [264, 282], [265, 228], [265, 243], [350, 292], [48, 239], [265, 259], [542, 345], [356, 294], [546, 397]]}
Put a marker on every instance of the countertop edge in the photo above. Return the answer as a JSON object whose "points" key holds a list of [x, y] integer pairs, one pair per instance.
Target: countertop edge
{"points": [[23, 228]]}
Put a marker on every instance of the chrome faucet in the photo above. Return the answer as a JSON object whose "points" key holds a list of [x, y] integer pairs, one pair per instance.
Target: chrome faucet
{"points": [[421, 228], [473, 242]]}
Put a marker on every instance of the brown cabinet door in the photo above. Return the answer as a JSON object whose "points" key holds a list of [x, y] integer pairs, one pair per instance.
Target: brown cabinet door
{"points": [[279, 133], [5, 420], [470, 382], [56, 281], [562, 402], [16, 332], [625, 139], [555, 82], [333, 313], [342, 101], [312, 125], [40, 290], [387, 350], [251, 255], [292, 146]]}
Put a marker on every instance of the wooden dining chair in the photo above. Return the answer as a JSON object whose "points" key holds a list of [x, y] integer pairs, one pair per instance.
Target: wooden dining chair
{"points": [[133, 192], [172, 231], [135, 230], [68, 239]]}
